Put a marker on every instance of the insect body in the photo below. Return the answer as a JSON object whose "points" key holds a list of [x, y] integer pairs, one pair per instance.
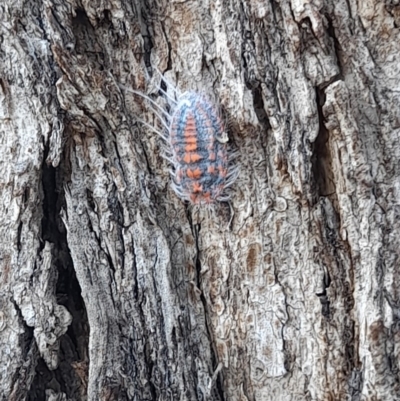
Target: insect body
{"points": [[197, 147], [199, 151]]}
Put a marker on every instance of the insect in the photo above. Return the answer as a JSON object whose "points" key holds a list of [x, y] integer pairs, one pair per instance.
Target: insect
{"points": [[196, 145]]}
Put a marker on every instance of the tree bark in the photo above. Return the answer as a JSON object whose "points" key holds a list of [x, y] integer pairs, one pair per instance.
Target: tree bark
{"points": [[112, 288]]}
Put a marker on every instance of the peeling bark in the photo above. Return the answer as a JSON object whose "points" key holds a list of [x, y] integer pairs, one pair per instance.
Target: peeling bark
{"points": [[113, 289]]}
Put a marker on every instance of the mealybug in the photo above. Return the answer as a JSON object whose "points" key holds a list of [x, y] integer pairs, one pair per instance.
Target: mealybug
{"points": [[197, 146]]}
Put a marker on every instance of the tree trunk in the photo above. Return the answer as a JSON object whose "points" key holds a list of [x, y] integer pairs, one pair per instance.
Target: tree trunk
{"points": [[112, 288]]}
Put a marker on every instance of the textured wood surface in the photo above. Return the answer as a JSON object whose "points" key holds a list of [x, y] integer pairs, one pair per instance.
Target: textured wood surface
{"points": [[111, 288]]}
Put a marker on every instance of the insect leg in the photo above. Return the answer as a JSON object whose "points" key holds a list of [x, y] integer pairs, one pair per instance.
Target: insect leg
{"points": [[153, 129], [142, 95]]}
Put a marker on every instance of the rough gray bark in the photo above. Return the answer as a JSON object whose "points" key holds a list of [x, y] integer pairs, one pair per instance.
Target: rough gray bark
{"points": [[113, 289]]}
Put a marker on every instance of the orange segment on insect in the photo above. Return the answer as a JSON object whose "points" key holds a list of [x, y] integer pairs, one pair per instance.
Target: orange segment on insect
{"points": [[195, 174]]}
